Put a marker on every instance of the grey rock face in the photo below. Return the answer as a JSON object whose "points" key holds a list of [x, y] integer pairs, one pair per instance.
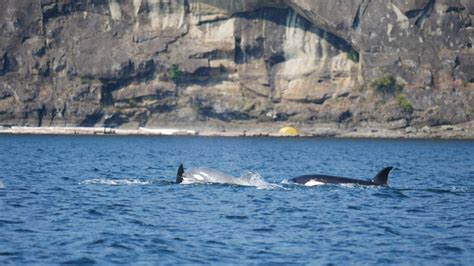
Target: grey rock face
{"points": [[156, 62]]}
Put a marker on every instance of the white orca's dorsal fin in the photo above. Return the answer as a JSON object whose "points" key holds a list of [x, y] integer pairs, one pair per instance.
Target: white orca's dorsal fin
{"points": [[179, 175], [382, 177]]}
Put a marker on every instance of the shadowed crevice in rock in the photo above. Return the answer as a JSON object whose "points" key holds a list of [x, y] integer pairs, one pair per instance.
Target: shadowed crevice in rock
{"points": [[115, 120], [3, 64], [319, 101], [92, 119], [9, 64], [129, 74], [356, 21], [344, 117], [279, 16], [206, 76], [425, 13], [361, 9], [56, 9], [42, 112], [209, 112]]}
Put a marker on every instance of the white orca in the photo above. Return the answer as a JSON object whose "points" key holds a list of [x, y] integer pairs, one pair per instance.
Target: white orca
{"points": [[205, 175], [380, 179]]}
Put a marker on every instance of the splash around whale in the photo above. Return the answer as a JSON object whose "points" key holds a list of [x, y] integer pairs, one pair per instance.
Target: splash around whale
{"points": [[381, 179], [203, 175]]}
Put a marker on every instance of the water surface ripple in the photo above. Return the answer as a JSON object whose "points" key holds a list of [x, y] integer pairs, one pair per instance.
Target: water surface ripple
{"points": [[85, 200]]}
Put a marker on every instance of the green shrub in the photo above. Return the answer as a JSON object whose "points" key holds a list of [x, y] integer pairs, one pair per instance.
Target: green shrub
{"points": [[353, 55], [383, 83], [84, 80], [387, 86], [175, 74], [404, 103]]}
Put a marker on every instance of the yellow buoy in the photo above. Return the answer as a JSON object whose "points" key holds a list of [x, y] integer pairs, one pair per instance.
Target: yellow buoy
{"points": [[289, 131]]}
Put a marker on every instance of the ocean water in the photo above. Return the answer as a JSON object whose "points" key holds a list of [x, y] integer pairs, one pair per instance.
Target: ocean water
{"points": [[113, 200]]}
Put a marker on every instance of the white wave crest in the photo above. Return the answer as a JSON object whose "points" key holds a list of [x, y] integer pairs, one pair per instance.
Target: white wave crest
{"points": [[455, 189], [115, 182], [1, 185], [349, 185], [255, 180]]}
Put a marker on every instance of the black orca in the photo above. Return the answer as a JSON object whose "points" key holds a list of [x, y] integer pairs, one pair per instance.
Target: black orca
{"points": [[179, 175], [313, 180]]}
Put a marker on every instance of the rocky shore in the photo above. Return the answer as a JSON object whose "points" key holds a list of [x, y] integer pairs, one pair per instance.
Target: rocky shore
{"points": [[463, 131], [357, 66]]}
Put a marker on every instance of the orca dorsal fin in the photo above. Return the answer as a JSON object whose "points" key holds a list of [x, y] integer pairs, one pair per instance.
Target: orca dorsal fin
{"points": [[382, 177], [179, 175]]}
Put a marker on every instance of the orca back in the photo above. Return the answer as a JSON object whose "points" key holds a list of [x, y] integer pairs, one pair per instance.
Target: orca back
{"points": [[379, 180], [382, 177]]}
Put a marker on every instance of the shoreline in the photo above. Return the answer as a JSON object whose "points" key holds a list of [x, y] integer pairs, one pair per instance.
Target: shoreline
{"points": [[440, 132]]}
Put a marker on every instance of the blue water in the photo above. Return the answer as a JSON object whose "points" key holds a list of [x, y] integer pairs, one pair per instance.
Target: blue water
{"points": [[112, 200]]}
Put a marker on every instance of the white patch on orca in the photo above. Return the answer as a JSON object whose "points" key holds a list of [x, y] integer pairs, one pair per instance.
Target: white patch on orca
{"points": [[312, 183], [204, 174], [198, 177]]}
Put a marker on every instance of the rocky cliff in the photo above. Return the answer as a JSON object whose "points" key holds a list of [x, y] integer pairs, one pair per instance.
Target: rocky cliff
{"points": [[136, 63]]}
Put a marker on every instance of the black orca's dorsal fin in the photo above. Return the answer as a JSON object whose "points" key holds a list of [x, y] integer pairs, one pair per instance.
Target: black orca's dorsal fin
{"points": [[382, 177], [179, 175]]}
